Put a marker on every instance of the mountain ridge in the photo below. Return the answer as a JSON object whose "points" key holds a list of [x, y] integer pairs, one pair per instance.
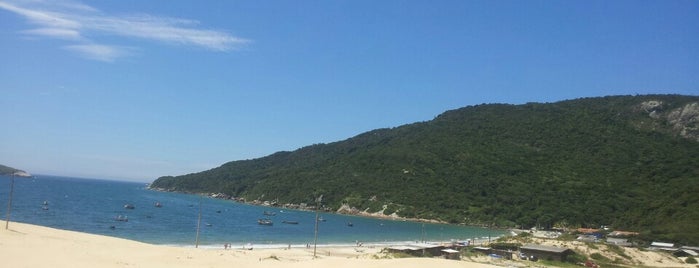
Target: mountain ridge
{"points": [[627, 161], [5, 170]]}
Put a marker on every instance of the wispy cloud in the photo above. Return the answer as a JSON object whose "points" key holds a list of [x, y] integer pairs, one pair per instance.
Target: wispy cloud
{"points": [[84, 25], [61, 33], [99, 52]]}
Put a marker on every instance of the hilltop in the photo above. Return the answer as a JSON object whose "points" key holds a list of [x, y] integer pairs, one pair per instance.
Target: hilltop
{"points": [[630, 162], [5, 170]]}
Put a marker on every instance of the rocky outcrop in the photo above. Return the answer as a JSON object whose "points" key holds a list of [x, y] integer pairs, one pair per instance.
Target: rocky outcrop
{"points": [[684, 120]]}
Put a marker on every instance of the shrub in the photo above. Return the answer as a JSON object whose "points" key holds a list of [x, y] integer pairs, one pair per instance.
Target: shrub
{"points": [[390, 209], [591, 245], [599, 257], [619, 251], [524, 234], [567, 237], [575, 258], [690, 260]]}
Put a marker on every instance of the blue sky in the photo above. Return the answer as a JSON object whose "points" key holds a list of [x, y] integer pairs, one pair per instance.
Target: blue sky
{"points": [[134, 90]]}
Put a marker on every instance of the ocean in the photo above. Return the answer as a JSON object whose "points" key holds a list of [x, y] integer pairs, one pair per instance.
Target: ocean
{"points": [[93, 205]]}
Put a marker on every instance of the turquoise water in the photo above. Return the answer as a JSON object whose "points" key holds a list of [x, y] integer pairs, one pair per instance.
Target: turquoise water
{"points": [[91, 206]]}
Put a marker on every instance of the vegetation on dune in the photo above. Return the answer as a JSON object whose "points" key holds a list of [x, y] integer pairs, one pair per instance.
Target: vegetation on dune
{"points": [[631, 162], [690, 260]]}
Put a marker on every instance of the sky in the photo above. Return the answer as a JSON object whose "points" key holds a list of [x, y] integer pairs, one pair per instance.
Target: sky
{"points": [[134, 90]]}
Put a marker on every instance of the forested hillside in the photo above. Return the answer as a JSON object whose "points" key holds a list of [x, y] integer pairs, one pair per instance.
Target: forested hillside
{"points": [[631, 162], [5, 170]]}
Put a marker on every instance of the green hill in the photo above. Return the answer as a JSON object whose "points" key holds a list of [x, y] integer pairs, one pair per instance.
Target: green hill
{"points": [[5, 170], [631, 162]]}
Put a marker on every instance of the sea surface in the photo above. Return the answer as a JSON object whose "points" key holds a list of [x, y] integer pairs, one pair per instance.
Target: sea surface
{"points": [[92, 206]]}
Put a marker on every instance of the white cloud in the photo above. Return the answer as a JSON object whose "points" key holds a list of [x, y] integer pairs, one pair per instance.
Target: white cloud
{"points": [[62, 33], [42, 17], [166, 30], [84, 24], [99, 52]]}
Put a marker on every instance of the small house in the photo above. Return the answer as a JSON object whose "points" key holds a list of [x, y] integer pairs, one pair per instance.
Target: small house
{"points": [[587, 238], [419, 250], [685, 253], [505, 254], [545, 252], [662, 246], [622, 242], [451, 254], [587, 230], [484, 250], [623, 233]]}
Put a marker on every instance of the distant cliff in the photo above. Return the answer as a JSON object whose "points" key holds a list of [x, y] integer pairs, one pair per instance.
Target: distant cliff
{"points": [[627, 161], [5, 170]]}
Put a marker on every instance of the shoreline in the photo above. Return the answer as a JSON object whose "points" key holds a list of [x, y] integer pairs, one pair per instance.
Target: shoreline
{"points": [[358, 244], [26, 245], [343, 210]]}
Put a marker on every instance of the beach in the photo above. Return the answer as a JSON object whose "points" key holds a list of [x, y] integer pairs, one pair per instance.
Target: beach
{"points": [[25, 245]]}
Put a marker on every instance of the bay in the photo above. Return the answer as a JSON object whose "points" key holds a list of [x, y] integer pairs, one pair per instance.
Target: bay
{"points": [[92, 205]]}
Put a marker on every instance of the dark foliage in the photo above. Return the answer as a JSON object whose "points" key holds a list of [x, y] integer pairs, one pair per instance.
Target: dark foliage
{"points": [[583, 162], [5, 170]]}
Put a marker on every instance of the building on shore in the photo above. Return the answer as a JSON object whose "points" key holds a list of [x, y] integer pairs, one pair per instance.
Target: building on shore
{"points": [[419, 250], [669, 247], [622, 242], [545, 252]]}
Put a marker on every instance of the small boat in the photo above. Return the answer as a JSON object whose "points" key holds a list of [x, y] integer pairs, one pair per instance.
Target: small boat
{"points": [[321, 219], [46, 203], [269, 213], [264, 222], [45, 207], [121, 218], [129, 206], [158, 205], [350, 224], [290, 222]]}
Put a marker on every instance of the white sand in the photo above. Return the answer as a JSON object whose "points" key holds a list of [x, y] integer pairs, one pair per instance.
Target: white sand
{"points": [[24, 245], [638, 257]]}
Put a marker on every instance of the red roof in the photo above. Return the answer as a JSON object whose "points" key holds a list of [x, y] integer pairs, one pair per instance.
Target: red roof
{"points": [[587, 230]]}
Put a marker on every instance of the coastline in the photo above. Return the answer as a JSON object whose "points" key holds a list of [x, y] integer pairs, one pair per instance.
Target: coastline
{"points": [[235, 246], [26, 245], [343, 210]]}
